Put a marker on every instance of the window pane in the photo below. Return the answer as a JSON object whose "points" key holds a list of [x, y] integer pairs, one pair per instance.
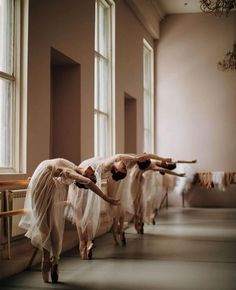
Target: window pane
{"points": [[147, 68], [103, 20], [101, 94], [102, 78], [147, 141], [96, 25], [5, 123], [147, 113], [96, 135], [101, 135], [6, 36], [103, 140], [96, 83], [148, 98], [103, 86]]}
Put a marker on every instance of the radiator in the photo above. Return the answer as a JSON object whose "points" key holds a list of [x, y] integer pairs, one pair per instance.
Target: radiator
{"points": [[1, 220], [16, 201], [1, 209]]}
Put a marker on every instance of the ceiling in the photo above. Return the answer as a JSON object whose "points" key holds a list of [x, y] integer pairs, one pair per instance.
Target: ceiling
{"points": [[151, 12], [178, 6]]}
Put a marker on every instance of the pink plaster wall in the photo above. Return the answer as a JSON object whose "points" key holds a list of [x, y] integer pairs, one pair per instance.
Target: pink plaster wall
{"points": [[68, 26], [129, 69], [196, 103]]}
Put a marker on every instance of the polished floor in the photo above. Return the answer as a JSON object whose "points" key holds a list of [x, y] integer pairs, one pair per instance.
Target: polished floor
{"points": [[187, 249]]}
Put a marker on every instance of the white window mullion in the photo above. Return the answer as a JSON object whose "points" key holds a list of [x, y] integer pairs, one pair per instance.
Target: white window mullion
{"points": [[101, 56], [101, 113]]}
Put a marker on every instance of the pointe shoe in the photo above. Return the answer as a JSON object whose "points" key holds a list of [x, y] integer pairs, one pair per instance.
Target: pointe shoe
{"points": [[45, 268], [83, 253], [54, 273], [116, 243], [142, 229], [90, 251], [83, 250], [123, 239], [136, 226]]}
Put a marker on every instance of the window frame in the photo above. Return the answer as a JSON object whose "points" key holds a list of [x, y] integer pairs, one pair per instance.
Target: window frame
{"points": [[19, 88], [110, 59], [150, 91]]}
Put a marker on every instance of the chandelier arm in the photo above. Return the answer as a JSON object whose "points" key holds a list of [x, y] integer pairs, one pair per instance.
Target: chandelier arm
{"points": [[217, 7]]}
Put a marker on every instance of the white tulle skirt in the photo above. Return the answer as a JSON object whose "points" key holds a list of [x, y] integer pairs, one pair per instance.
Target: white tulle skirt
{"points": [[85, 206], [135, 198], [183, 184], [44, 206], [120, 190], [153, 191]]}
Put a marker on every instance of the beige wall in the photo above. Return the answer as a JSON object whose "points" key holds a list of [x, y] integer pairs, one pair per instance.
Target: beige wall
{"points": [[68, 26], [129, 69], [196, 103]]}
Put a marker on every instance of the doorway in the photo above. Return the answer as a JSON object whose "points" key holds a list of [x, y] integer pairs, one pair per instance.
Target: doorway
{"points": [[65, 107], [130, 124]]}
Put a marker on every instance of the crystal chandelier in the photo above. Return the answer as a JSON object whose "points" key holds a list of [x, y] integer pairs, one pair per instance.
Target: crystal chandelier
{"points": [[217, 7], [229, 61]]}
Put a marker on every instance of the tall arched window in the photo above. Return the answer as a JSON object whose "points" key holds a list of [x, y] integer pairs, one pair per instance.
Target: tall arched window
{"points": [[148, 97], [104, 78], [12, 80]]}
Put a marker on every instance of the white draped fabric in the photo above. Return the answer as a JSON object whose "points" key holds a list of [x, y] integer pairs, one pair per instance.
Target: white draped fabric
{"points": [[153, 192], [86, 206], [120, 190], [44, 220], [135, 203], [218, 180], [183, 184]]}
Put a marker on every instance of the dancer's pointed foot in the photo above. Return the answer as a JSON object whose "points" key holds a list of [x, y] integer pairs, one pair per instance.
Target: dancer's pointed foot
{"points": [[90, 250], [54, 273], [45, 268]]}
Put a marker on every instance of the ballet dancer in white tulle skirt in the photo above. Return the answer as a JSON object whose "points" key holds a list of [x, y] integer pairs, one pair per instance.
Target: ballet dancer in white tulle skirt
{"points": [[45, 206]]}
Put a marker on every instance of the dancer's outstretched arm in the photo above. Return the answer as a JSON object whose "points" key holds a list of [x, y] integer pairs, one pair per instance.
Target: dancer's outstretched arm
{"points": [[152, 156], [184, 161], [98, 191], [164, 170], [70, 174], [156, 157], [172, 165]]}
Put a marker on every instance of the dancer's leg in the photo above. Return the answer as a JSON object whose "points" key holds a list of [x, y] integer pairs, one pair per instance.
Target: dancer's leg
{"points": [[46, 265]]}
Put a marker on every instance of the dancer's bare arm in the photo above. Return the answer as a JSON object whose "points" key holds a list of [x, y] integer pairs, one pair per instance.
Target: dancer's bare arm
{"points": [[91, 185], [152, 156], [164, 170], [184, 161], [97, 190]]}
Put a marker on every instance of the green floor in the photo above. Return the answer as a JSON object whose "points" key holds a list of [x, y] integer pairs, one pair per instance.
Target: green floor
{"points": [[187, 249]]}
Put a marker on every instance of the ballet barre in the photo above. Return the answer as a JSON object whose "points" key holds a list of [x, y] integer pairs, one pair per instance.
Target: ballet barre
{"points": [[6, 187], [5, 213]]}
